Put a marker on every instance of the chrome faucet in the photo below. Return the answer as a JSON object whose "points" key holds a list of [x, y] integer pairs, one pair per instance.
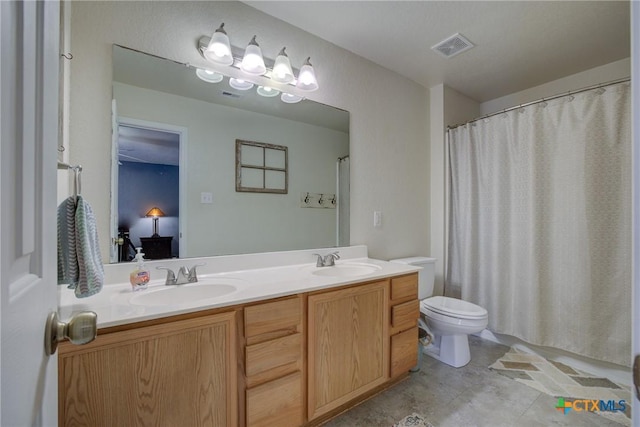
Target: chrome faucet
{"points": [[185, 275], [328, 260]]}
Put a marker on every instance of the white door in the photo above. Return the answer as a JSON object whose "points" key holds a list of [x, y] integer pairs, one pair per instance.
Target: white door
{"points": [[115, 243], [635, 113], [29, 61]]}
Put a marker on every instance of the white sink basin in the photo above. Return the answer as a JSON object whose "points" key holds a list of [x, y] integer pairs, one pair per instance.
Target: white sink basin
{"points": [[351, 269], [180, 294]]}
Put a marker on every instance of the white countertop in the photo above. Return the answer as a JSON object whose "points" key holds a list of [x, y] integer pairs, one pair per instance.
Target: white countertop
{"points": [[117, 304]]}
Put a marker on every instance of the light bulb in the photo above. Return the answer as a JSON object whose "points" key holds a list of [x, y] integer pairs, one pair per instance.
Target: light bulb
{"points": [[219, 49], [252, 62], [307, 77], [282, 72]]}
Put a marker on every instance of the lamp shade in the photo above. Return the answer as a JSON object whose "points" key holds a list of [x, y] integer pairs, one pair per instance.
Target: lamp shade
{"points": [[252, 62], [219, 48], [282, 72], [307, 77], [155, 212]]}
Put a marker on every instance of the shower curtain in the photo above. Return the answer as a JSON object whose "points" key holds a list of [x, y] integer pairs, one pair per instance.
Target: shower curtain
{"points": [[343, 194], [540, 222]]}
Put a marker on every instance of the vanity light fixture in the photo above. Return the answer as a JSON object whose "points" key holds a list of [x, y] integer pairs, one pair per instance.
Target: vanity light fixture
{"points": [[289, 98], [208, 75], [307, 77], [240, 84], [253, 62], [282, 72], [267, 91], [219, 49]]}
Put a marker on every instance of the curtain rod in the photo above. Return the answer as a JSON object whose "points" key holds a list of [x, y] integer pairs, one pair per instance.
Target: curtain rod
{"points": [[526, 104]]}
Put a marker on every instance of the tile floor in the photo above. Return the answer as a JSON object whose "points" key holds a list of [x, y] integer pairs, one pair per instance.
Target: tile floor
{"points": [[464, 397]]}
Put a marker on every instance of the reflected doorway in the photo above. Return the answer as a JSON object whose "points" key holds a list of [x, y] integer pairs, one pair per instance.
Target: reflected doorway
{"points": [[148, 190]]}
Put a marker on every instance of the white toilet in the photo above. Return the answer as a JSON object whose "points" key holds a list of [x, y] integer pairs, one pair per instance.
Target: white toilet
{"points": [[449, 320]]}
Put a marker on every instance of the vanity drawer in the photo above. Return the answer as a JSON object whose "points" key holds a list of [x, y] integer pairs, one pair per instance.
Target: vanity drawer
{"points": [[271, 320], [404, 351], [276, 403], [405, 315], [273, 353], [404, 287]]}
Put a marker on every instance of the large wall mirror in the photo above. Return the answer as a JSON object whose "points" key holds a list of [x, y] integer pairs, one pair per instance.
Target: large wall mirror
{"points": [[174, 165]]}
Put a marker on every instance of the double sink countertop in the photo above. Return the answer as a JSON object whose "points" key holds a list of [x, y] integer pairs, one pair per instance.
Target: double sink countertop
{"points": [[276, 275]]}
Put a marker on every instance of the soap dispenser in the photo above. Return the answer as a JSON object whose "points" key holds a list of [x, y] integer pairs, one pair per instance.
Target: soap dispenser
{"points": [[140, 276]]}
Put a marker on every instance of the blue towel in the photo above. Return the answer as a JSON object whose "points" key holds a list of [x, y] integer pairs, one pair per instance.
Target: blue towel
{"points": [[79, 260]]}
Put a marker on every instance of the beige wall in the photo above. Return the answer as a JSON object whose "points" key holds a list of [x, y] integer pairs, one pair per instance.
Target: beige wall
{"points": [[389, 129], [602, 74]]}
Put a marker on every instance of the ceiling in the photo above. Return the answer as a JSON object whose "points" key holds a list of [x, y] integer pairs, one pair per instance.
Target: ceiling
{"points": [[519, 44]]}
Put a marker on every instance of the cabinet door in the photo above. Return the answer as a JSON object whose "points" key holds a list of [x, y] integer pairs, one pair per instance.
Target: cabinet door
{"points": [[348, 352], [179, 373]]}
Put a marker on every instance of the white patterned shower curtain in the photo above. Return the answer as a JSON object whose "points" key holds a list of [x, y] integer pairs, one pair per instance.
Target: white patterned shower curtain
{"points": [[540, 222]]}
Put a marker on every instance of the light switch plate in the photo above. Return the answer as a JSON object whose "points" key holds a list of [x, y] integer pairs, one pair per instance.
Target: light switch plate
{"points": [[206, 198], [377, 219]]}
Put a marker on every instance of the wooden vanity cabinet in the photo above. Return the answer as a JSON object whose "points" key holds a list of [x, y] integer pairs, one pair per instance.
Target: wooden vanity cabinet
{"points": [[348, 345], [274, 363], [403, 327], [286, 362], [183, 372]]}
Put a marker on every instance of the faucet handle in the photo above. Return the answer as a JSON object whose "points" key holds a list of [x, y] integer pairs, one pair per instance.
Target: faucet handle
{"points": [[319, 261], [192, 275], [171, 277], [330, 259]]}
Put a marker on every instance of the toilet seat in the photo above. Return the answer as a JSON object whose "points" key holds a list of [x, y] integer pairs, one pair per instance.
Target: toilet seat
{"points": [[453, 307]]}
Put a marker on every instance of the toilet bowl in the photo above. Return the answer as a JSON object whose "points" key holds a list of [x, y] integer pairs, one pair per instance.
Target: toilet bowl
{"points": [[449, 320]]}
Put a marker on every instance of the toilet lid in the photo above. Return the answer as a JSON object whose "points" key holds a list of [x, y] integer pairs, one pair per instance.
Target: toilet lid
{"points": [[454, 307]]}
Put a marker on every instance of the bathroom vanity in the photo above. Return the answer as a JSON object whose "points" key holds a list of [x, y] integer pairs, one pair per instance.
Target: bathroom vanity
{"points": [[291, 346]]}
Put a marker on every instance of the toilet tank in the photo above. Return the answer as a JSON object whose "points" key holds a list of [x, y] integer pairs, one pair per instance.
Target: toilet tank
{"points": [[426, 276]]}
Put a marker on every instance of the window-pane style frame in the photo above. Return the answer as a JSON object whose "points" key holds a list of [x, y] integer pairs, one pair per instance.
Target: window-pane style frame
{"points": [[261, 167]]}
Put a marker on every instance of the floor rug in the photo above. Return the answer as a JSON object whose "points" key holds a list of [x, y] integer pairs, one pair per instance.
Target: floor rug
{"points": [[413, 420], [566, 383]]}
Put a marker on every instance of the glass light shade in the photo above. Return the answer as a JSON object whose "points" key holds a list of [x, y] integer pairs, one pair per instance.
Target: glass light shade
{"points": [[307, 77], [209, 76], [252, 62], [155, 212], [282, 72], [290, 98], [240, 84], [219, 49], [267, 91]]}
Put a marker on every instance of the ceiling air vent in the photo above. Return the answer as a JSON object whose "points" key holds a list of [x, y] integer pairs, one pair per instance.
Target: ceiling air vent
{"points": [[453, 45], [230, 94]]}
